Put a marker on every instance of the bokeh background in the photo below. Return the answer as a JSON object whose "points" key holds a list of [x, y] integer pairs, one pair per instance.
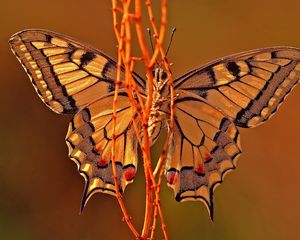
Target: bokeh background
{"points": [[41, 188]]}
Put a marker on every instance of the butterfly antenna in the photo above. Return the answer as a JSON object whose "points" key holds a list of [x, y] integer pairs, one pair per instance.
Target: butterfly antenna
{"points": [[150, 37], [173, 31]]}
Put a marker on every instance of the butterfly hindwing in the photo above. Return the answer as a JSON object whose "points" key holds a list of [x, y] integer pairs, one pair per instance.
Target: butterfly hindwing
{"points": [[248, 87], [205, 145], [66, 73], [89, 140]]}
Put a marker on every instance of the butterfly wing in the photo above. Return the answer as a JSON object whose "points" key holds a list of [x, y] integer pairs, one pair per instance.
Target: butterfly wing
{"points": [[242, 90], [66, 73], [72, 77], [248, 87], [205, 145], [89, 140]]}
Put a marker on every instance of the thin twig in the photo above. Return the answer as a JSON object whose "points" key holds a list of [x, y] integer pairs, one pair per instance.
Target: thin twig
{"points": [[118, 81], [141, 108]]}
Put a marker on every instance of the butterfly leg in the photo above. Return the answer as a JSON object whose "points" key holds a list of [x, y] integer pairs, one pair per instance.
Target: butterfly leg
{"points": [[167, 99]]}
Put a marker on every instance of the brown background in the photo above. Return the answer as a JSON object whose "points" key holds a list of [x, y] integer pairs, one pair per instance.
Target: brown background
{"points": [[41, 189]]}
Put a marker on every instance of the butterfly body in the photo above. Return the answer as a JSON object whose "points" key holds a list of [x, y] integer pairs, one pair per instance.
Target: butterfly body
{"points": [[160, 105], [240, 90]]}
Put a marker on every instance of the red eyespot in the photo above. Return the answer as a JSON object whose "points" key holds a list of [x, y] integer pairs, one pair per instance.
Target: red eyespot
{"points": [[171, 177], [207, 156], [199, 169], [102, 163], [129, 174]]}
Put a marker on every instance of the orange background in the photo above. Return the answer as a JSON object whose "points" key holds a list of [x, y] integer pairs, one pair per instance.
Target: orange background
{"points": [[41, 189]]}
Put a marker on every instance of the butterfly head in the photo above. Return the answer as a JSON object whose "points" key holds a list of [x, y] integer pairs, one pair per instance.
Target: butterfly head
{"points": [[160, 78]]}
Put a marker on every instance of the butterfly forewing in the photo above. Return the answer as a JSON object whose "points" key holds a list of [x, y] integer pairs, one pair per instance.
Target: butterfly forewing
{"points": [[205, 145], [66, 74], [247, 87]]}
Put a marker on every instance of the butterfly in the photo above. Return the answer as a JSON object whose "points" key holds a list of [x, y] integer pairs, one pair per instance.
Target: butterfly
{"points": [[241, 90]]}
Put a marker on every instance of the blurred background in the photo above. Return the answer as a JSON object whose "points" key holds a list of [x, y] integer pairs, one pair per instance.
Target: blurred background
{"points": [[41, 188]]}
